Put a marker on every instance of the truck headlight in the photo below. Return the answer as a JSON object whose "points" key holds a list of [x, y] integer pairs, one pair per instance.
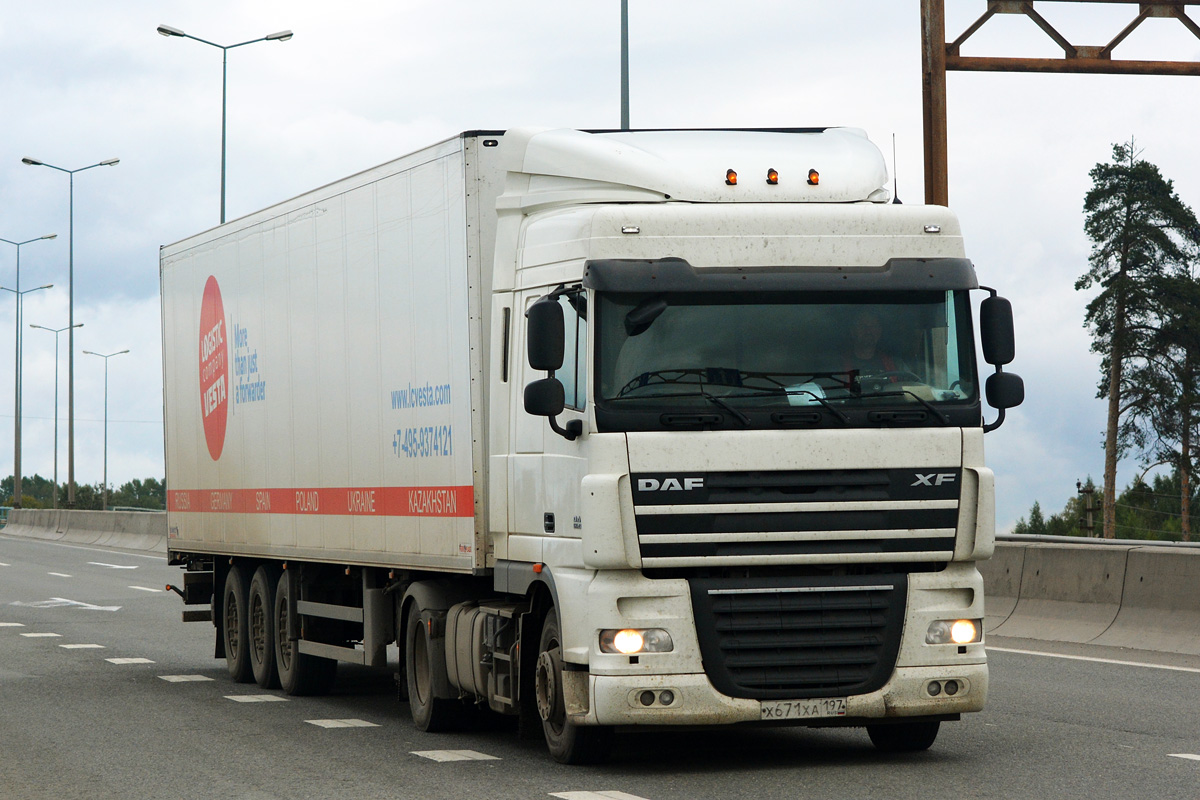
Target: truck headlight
{"points": [[631, 641], [954, 631]]}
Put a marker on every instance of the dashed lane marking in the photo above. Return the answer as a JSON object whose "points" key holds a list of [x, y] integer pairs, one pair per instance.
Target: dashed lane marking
{"points": [[1094, 659], [341, 723], [2, 564], [41, 635], [12, 624], [256, 698], [454, 755], [111, 566], [59, 574], [1188, 756], [596, 796], [184, 678], [60, 602], [145, 589], [82, 646], [129, 661]]}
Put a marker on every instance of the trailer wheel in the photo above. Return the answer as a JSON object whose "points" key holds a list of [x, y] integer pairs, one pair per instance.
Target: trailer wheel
{"points": [[261, 616], [299, 673], [429, 712], [903, 737], [568, 743], [236, 626]]}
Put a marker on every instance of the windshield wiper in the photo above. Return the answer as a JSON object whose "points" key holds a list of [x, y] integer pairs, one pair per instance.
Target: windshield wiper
{"points": [[942, 418], [741, 417], [825, 404]]}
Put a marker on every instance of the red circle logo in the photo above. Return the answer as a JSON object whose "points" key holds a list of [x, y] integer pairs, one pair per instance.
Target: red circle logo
{"points": [[214, 368]]}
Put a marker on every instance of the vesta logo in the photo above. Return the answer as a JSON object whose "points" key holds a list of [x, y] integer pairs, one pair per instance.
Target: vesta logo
{"points": [[214, 368], [669, 484]]}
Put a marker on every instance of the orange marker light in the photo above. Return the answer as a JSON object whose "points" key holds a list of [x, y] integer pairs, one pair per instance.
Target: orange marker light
{"points": [[814, 177], [730, 177], [772, 177], [538, 568]]}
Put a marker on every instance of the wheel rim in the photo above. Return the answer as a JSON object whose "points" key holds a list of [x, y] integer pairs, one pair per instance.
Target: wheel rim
{"points": [[258, 628], [421, 673], [548, 688], [285, 646], [232, 629]]}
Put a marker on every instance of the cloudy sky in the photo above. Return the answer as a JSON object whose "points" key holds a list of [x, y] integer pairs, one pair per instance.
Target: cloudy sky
{"points": [[83, 82]]}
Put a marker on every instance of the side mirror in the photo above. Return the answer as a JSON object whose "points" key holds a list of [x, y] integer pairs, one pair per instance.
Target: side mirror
{"points": [[1004, 390], [996, 332], [545, 398], [546, 334]]}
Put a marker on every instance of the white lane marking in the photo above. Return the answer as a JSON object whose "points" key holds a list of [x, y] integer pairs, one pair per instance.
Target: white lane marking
{"points": [[2, 564], [82, 646], [183, 678], [341, 723], [111, 566], [60, 602], [256, 698], [454, 755], [59, 574], [1092, 658], [41, 635], [129, 661], [596, 796], [12, 624], [145, 589], [1188, 756]]}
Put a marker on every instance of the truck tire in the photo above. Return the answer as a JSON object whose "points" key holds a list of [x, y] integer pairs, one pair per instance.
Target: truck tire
{"points": [[236, 626], [260, 613], [300, 674], [903, 737], [568, 743], [429, 712]]}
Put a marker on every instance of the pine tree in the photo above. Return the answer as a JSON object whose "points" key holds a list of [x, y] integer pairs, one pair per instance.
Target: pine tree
{"points": [[1142, 234]]}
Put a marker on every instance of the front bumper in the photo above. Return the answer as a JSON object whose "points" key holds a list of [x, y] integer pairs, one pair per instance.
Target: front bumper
{"points": [[618, 700]]}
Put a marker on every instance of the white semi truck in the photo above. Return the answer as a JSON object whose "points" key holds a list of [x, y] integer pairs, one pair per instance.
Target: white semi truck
{"points": [[608, 429]]}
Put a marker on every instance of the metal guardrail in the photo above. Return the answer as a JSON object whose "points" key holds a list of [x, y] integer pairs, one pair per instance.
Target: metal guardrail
{"points": [[1026, 539]]}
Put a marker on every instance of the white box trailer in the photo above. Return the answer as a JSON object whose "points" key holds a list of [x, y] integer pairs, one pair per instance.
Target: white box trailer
{"points": [[606, 396]]}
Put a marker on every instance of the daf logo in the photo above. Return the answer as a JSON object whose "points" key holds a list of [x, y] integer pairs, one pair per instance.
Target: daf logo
{"points": [[669, 484], [934, 479]]}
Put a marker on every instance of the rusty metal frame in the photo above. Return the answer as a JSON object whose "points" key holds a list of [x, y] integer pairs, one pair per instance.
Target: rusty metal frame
{"points": [[938, 56]]}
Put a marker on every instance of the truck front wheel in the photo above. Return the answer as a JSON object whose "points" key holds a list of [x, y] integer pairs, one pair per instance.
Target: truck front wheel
{"points": [[903, 737], [568, 743]]}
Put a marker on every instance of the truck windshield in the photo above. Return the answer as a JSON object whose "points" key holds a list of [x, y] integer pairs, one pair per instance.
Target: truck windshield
{"points": [[767, 359]]}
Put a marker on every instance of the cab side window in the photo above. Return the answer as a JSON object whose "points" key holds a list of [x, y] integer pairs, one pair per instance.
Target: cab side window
{"points": [[573, 374]]}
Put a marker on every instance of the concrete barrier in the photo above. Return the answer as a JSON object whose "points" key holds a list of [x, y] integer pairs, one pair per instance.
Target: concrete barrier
{"points": [[1160, 609], [1120, 594], [131, 530]]}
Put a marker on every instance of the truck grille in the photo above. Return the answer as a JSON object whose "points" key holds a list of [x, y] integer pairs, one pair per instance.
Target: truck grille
{"points": [[781, 638], [797, 517]]}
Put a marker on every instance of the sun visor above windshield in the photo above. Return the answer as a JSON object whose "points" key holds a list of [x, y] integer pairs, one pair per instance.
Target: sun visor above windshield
{"points": [[677, 275]]}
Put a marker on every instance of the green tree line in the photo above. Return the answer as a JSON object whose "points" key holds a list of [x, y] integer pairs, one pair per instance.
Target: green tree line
{"points": [[1143, 510], [38, 492]]}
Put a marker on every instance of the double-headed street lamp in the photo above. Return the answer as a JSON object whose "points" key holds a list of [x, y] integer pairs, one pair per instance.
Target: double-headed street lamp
{"points": [[71, 319], [106, 358], [56, 332], [17, 379], [282, 36]]}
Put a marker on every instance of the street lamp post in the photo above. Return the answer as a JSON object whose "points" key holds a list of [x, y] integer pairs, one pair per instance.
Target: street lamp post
{"points": [[17, 397], [56, 332], [17, 379], [281, 36], [71, 318], [106, 358]]}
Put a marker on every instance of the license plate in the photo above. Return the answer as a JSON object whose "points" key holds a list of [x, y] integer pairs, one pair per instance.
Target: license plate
{"points": [[804, 709]]}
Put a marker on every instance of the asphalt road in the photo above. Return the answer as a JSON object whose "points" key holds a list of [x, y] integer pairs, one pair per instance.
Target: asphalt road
{"points": [[1067, 722]]}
